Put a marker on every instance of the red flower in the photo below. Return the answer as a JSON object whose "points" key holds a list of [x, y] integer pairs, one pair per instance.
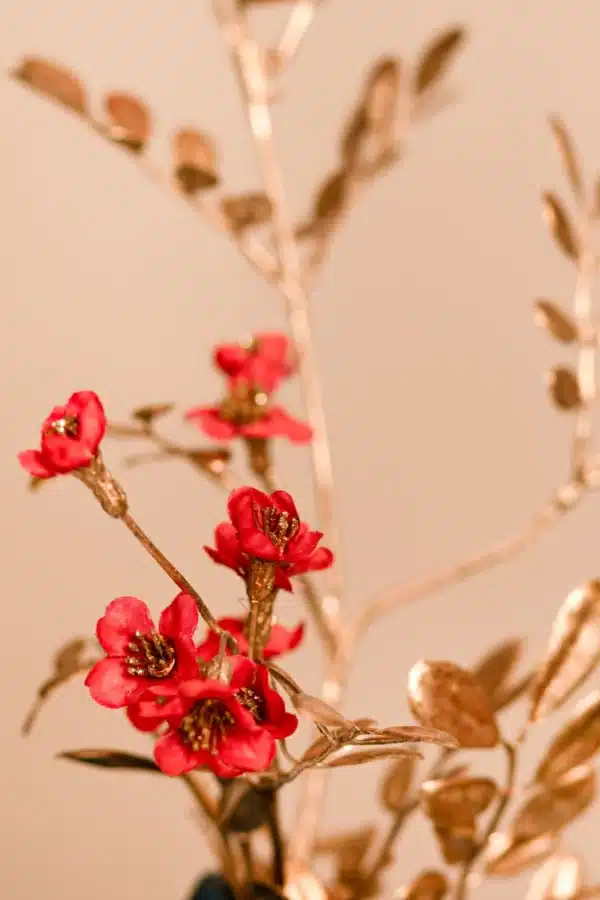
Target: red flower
{"points": [[138, 655], [229, 553], [250, 683], [263, 364], [269, 528], [214, 731], [70, 437], [281, 640], [220, 423]]}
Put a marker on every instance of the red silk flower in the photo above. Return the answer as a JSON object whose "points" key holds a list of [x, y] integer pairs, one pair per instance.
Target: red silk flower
{"points": [[214, 730], [281, 639], [269, 528], [138, 656], [273, 422], [250, 684], [263, 364], [70, 437]]}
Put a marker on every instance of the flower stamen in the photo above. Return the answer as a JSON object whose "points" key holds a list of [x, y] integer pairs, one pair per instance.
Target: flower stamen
{"points": [[251, 701], [66, 426], [151, 655], [244, 405], [206, 725], [277, 525]]}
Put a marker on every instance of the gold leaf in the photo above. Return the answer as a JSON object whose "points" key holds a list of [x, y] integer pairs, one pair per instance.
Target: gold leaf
{"points": [[35, 483], [130, 119], [573, 651], [566, 149], [407, 733], [493, 670], [442, 695], [110, 759], [560, 227], [242, 808], [558, 323], [576, 743], [331, 199], [356, 756], [397, 783], [560, 878], [353, 137], [317, 748], [320, 712], [194, 160], [53, 81], [381, 94], [437, 57], [450, 801], [429, 885], [508, 856], [457, 843], [68, 661], [247, 210], [349, 850], [147, 414], [213, 460], [553, 806], [512, 692], [564, 388]]}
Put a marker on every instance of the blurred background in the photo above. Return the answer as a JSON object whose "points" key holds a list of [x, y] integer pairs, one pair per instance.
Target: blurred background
{"points": [[443, 437]]}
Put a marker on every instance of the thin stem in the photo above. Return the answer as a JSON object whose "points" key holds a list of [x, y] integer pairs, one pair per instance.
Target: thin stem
{"points": [[294, 32], [276, 840], [175, 575], [565, 499], [511, 771]]}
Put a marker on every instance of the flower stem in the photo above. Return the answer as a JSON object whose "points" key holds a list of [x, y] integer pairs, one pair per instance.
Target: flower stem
{"points": [[505, 797], [175, 575]]}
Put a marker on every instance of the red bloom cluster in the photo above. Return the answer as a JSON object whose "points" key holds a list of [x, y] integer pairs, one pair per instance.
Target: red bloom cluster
{"points": [[253, 373], [268, 528], [70, 437], [156, 674]]}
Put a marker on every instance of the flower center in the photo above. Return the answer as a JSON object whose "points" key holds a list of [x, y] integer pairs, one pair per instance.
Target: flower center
{"points": [[67, 426], [279, 527], [244, 405], [251, 701], [150, 655], [206, 725]]}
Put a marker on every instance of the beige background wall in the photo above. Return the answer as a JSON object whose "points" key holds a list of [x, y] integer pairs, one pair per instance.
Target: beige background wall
{"points": [[442, 435]]}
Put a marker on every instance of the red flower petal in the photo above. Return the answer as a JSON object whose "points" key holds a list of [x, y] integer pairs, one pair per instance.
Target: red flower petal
{"points": [[174, 757], [110, 684], [282, 582], [123, 617], [249, 752], [256, 543], [209, 419], [86, 406], [65, 453], [210, 646], [242, 500], [186, 655], [284, 503], [281, 640], [34, 463], [302, 546], [230, 358], [278, 423], [180, 618]]}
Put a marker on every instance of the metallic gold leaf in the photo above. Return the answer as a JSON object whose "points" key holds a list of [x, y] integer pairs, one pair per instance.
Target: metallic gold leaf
{"points": [[449, 801], [560, 878], [442, 695], [213, 460], [147, 414], [573, 651], [553, 806], [247, 210], [68, 661], [317, 748], [357, 756], [320, 712], [556, 321], [507, 856], [567, 152], [194, 160], [53, 81], [429, 885], [458, 843], [110, 759], [564, 388], [242, 809], [576, 743], [493, 670], [381, 94], [130, 120], [560, 227], [396, 784], [331, 199], [512, 692], [407, 733], [437, 57], [353, 137], [35, 483]]}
